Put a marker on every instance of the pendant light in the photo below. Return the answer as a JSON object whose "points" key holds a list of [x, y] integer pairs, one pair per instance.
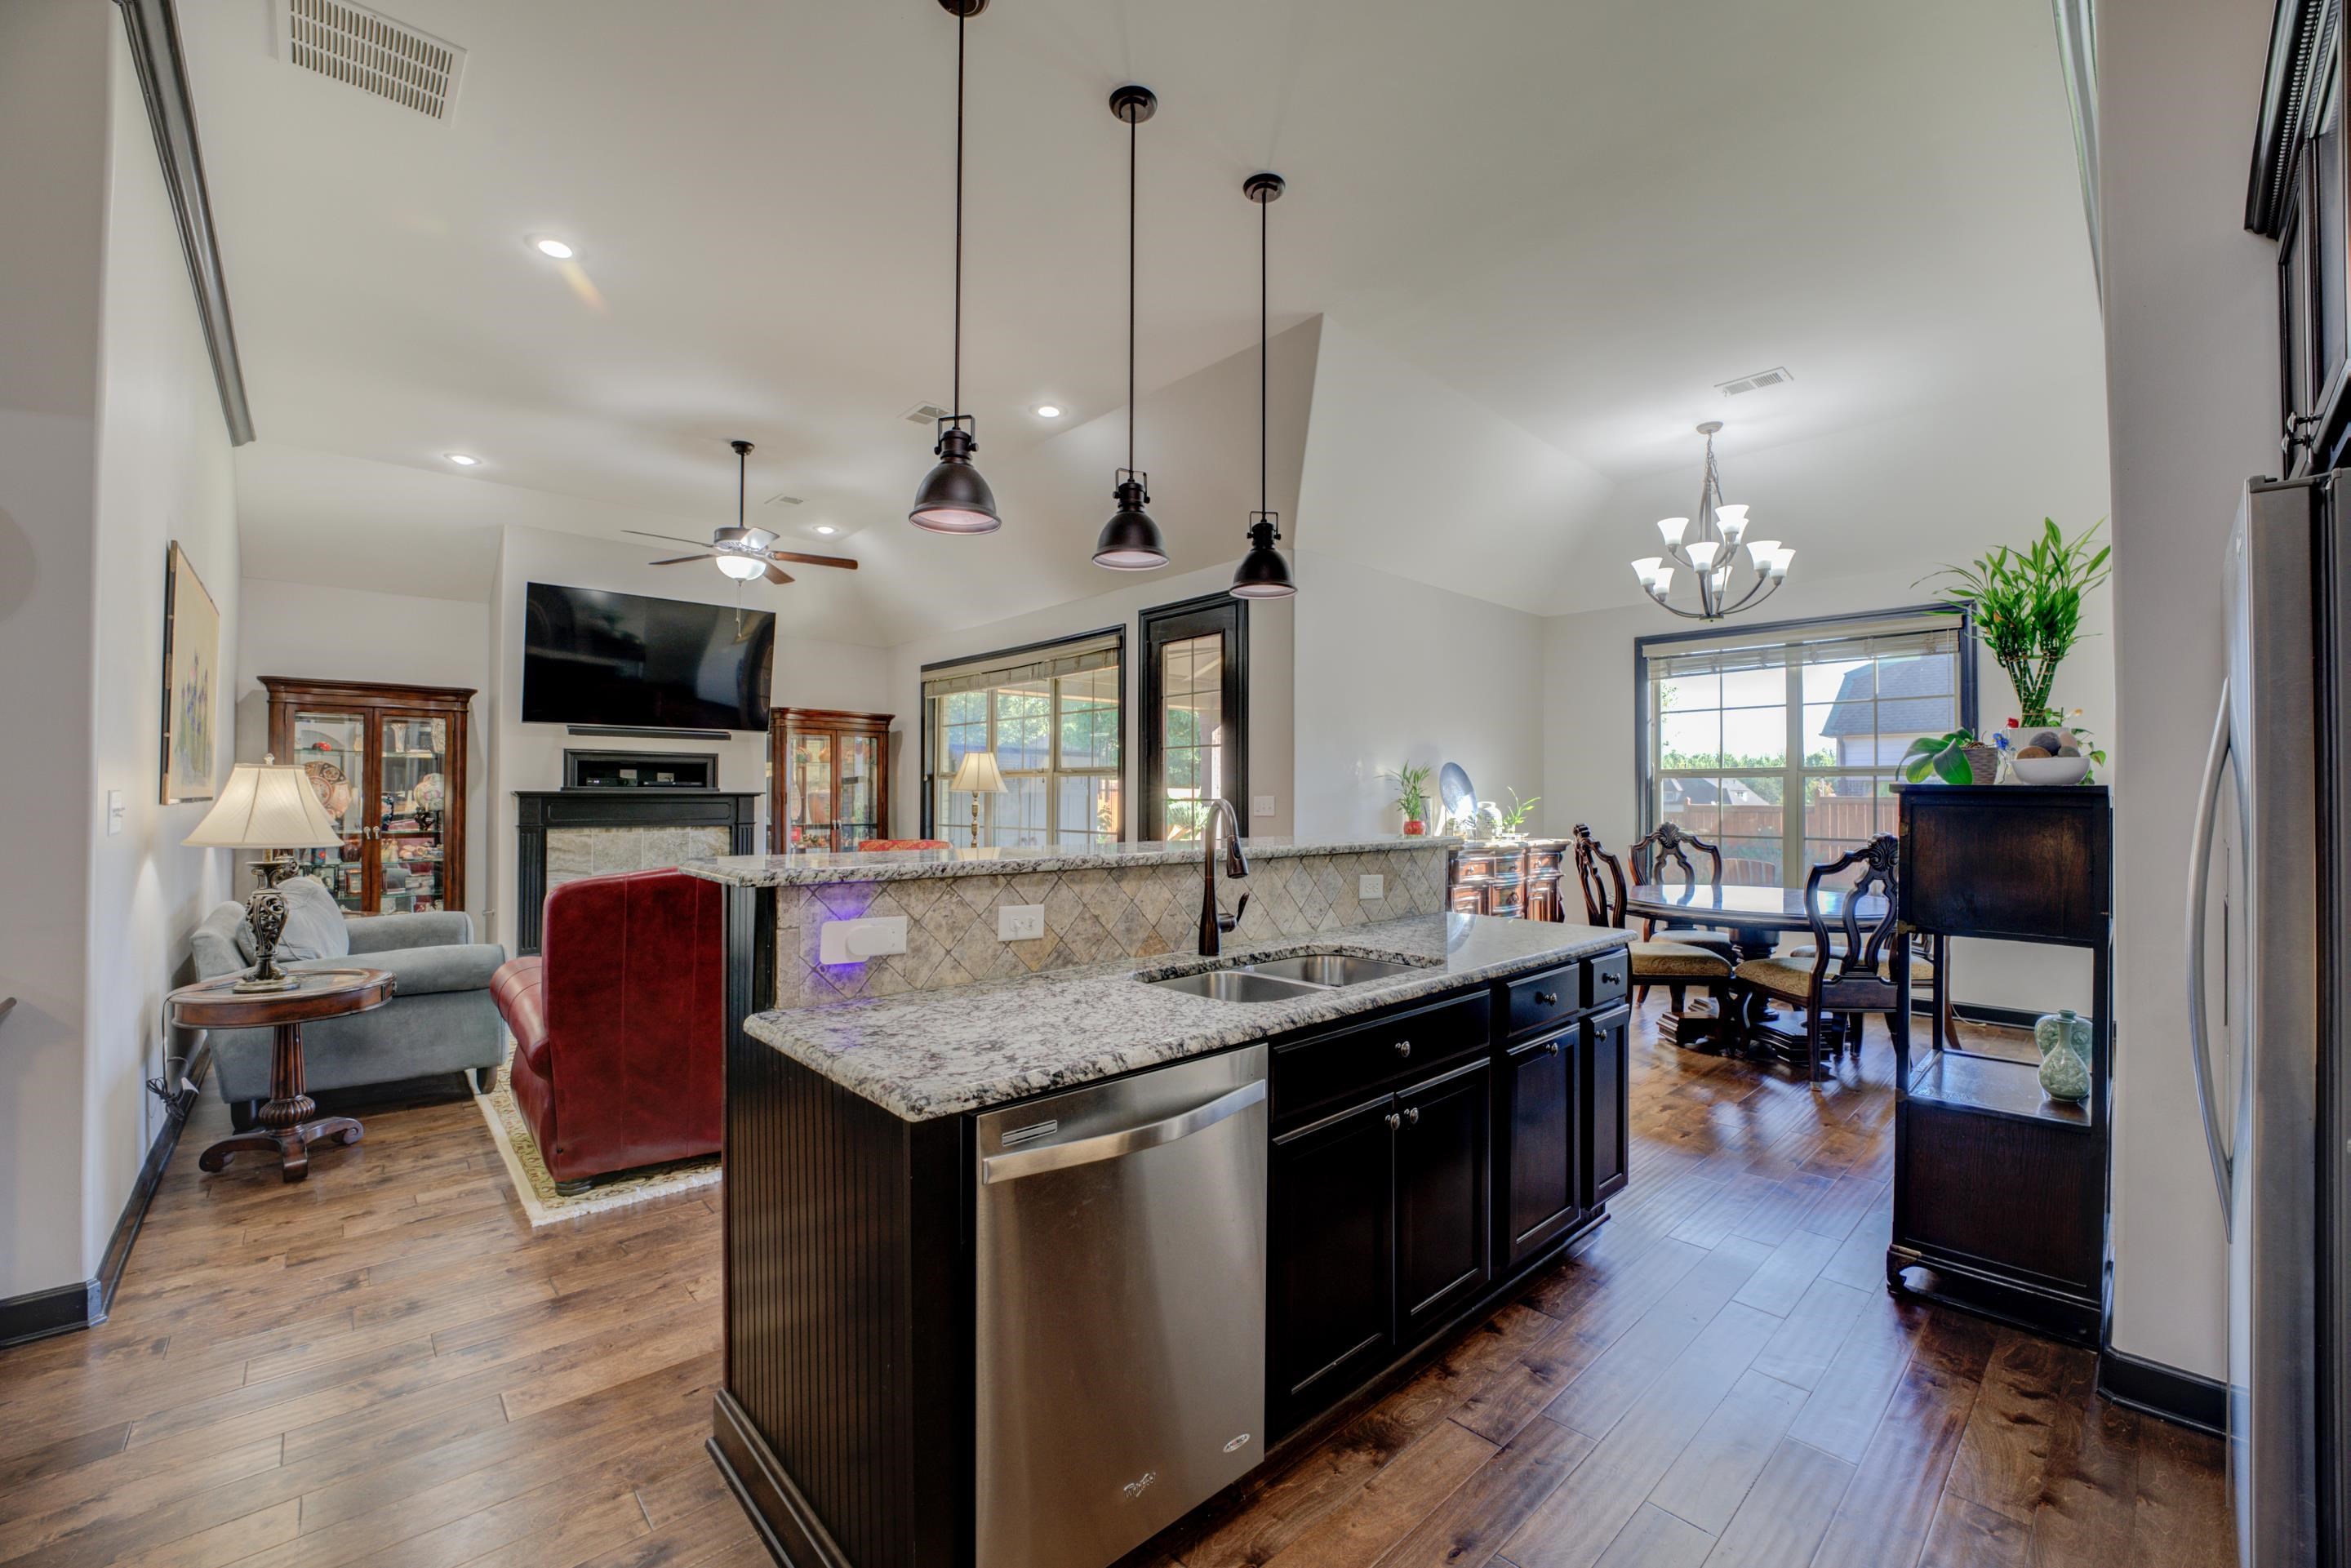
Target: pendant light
{"points": [[1130, 541], [953, 498], [1264, 572]]}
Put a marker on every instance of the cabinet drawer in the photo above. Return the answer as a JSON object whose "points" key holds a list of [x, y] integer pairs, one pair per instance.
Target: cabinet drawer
{"points": [[1315, 1071], [1607, 977], [1544, 1001]]}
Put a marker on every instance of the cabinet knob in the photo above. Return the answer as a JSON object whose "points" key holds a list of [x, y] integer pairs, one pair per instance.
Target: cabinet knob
{"points": [[1404, 1048], [1412, 1116], [1393, 1121], [1548, 998], [1550, 1048]]}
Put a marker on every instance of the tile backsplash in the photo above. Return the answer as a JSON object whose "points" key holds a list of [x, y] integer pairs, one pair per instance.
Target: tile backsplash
{"points": [[1090, 915], [575, 853]]}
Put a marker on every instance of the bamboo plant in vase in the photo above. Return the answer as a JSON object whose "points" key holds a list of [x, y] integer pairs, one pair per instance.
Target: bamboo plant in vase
{"points": [[2027, 606], [1411, 783]]}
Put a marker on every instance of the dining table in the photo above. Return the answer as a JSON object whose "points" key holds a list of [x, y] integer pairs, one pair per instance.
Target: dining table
{"points": [[1755, 916]]}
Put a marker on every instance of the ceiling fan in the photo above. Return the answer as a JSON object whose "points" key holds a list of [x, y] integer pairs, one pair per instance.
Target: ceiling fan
{"points": [[743, 553]]}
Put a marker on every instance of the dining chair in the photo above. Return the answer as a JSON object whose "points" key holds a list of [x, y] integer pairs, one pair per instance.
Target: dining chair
{"points": [[1678, 967], [1848, 972], [1665, 845]]}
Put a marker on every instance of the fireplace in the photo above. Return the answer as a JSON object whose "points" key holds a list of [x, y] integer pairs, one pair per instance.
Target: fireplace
{"points": [[561, 834]]}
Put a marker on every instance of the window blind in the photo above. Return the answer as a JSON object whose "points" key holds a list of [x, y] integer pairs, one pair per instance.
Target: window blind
{"points": [[1096, 652], [1910, 637]]}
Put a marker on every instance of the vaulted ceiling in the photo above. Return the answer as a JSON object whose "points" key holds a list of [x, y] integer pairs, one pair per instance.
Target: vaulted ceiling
{"points": [[1565, 223]]}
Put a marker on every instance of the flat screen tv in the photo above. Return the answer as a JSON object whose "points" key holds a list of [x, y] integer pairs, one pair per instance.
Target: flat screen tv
{"points": [[592, 657]]}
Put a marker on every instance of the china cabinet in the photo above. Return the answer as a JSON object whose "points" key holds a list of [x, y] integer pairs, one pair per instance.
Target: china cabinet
{"points": [[2300, 195], [389, 763], [828, 780]]}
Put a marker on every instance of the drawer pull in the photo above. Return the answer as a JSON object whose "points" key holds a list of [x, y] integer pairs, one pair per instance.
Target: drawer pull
{"points": [[1393, 1121], [1548, 998], [1404, 1048], [1550, 1048], [1412, 1116]]}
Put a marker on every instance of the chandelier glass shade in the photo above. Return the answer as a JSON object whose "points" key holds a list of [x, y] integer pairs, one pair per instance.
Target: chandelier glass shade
{"points": [[1706, 549]]}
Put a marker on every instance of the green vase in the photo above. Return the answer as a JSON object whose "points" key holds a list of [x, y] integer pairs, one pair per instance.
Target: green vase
{"points": [[2063, 1038]]}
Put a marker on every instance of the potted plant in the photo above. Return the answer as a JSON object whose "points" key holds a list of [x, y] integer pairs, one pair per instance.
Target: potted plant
{"points": [[1958, 758], [1411, 783], [1513, 822], [2028, 607]]}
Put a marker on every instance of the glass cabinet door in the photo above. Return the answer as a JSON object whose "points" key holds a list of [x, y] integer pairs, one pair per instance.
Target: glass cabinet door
{"points": [[332, 749], [412, 825], [808, 793], [859, 799]]}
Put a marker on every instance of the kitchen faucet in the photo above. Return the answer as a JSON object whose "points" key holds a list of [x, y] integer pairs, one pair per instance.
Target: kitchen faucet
{"points": [[1213, 925]]}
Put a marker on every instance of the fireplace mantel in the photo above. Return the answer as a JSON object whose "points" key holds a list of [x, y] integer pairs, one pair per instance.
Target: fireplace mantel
{"points": [[539, 811]]}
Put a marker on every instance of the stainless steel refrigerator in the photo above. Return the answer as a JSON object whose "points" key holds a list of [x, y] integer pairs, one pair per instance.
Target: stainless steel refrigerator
{"points": [[2268, 946]]}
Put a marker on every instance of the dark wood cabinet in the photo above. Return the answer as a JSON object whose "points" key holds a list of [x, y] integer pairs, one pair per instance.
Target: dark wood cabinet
{"points": [[1540, 1182], [1512, 878], [2299, 197], [828, 780], [389, 763], [1332, 1229], [1607, 1105], [1444, 1183]]}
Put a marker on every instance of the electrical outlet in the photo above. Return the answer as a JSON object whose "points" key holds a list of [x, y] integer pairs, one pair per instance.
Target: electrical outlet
{"points": [[1261, 806], [1020, 921], [854, 941], [1371, 887]]}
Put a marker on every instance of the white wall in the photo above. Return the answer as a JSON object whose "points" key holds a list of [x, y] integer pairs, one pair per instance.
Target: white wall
{"points": [[1390, 672], [54, 120], [810, 672], [1271, 643], [348, 635], [2191, 373]]}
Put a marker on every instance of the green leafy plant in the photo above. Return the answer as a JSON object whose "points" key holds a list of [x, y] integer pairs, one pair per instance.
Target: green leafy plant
{"points": [[1943, 757], [1516, 817], [2028, 605], [1411, 783]]}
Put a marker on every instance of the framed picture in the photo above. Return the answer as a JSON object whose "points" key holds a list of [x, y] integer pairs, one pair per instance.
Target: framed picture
{"points": [[192, 682]]}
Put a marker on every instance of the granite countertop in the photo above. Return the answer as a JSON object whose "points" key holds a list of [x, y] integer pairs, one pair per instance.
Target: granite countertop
{"points": [[937, 1053], [905, 866]]}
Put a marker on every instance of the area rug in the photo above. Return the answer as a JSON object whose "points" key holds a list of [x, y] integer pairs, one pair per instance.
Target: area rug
{"points": [[532, 1184]]}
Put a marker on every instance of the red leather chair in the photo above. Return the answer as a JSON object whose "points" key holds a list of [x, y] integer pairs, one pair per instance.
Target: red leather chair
{"points": [[619, 1024]]}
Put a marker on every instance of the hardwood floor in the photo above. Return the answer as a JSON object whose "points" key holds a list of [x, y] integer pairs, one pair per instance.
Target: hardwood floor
{"points": [[386, 1365]]}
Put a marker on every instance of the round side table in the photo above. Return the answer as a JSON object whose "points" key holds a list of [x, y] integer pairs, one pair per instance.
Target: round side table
{"points": [[287, 1128]]}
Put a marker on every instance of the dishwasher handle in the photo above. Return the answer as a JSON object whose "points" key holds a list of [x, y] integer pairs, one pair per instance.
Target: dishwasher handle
{"points": [[1020, 1163]]}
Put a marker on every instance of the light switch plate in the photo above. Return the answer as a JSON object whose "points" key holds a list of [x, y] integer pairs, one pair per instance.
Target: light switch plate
{"points": [[114, 809], [1371, 887], [1021, 923], [1261, 806], [854, 941]]}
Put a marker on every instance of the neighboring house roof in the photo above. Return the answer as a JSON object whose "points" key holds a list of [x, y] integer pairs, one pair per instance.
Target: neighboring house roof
{"points": [[1914, 697], [1703, 792]]}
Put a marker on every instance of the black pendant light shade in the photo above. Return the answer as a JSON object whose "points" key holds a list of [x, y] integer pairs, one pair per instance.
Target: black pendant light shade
{"points": [[953, 498], [1130, 541], [1264, 572]]}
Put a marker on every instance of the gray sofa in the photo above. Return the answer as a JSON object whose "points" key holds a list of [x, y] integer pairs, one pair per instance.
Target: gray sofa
{"points": [[441, 1019]]}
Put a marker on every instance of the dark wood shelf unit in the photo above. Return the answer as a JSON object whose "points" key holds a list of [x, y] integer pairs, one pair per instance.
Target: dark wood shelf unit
{"points": [[352, 726], [828, 780], [1999, 1193]]}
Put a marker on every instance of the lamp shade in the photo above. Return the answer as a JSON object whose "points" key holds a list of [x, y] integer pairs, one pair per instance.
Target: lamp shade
{"points": [[954, 498], [1263, 573], [267, 805], [977, 774], [1130, 541]]}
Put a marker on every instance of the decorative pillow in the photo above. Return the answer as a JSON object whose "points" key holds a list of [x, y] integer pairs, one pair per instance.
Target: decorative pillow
{"points": [[314, 922]]}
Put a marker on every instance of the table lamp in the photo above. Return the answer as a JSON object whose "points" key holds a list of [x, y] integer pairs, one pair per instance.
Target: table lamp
{"points": [[976, 776], [267, 806]]}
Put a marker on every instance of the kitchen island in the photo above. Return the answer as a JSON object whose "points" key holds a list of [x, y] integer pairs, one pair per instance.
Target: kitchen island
{"points": [[1018, 1270]]}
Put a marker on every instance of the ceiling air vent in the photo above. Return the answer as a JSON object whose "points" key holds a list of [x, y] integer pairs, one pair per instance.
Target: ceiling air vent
{"points": [[365, 49], [782, 501], [924, 413], [1756, 382]]}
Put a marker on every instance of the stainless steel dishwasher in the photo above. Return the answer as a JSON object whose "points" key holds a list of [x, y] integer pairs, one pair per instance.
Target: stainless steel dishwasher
{"points": [[1121, 1312]]}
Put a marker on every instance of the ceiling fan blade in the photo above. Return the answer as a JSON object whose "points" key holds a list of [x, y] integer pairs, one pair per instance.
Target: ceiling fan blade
{"points": [[670, 539], [778, 575], [842, 561], [682, 559]]}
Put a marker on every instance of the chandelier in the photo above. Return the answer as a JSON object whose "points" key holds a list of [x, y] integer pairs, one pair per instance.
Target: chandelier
{"points": [[1707, 547]]}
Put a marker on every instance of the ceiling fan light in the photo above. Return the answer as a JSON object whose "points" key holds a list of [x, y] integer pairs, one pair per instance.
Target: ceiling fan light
{"points": [[1264, 571], [741, 568], [953, 498], [1130, 541]]}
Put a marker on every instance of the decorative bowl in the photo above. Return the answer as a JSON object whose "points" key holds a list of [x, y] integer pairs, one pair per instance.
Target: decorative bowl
{"points": [[2050, 769]]}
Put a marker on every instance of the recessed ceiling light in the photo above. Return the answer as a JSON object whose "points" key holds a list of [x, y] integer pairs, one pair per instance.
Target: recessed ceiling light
{"points": [[553, 247], [462, 460], [1049, 410], [827, 529]]}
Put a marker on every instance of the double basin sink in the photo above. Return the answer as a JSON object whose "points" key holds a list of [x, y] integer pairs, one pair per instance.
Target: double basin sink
{"points": [[1282, 980]]}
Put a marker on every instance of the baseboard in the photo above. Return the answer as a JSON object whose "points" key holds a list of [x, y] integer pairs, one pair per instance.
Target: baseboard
{"points": [[85, 1303], [2004, 1018], [2189, 1399]]}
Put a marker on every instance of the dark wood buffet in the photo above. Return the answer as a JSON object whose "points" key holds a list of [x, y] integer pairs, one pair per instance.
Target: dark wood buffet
{"points": [[1512, 878]]}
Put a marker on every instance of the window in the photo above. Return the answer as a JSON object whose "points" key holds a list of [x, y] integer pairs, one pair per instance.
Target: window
{"points": [[1051, 714], [1195, 701], [1780, 744]]}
